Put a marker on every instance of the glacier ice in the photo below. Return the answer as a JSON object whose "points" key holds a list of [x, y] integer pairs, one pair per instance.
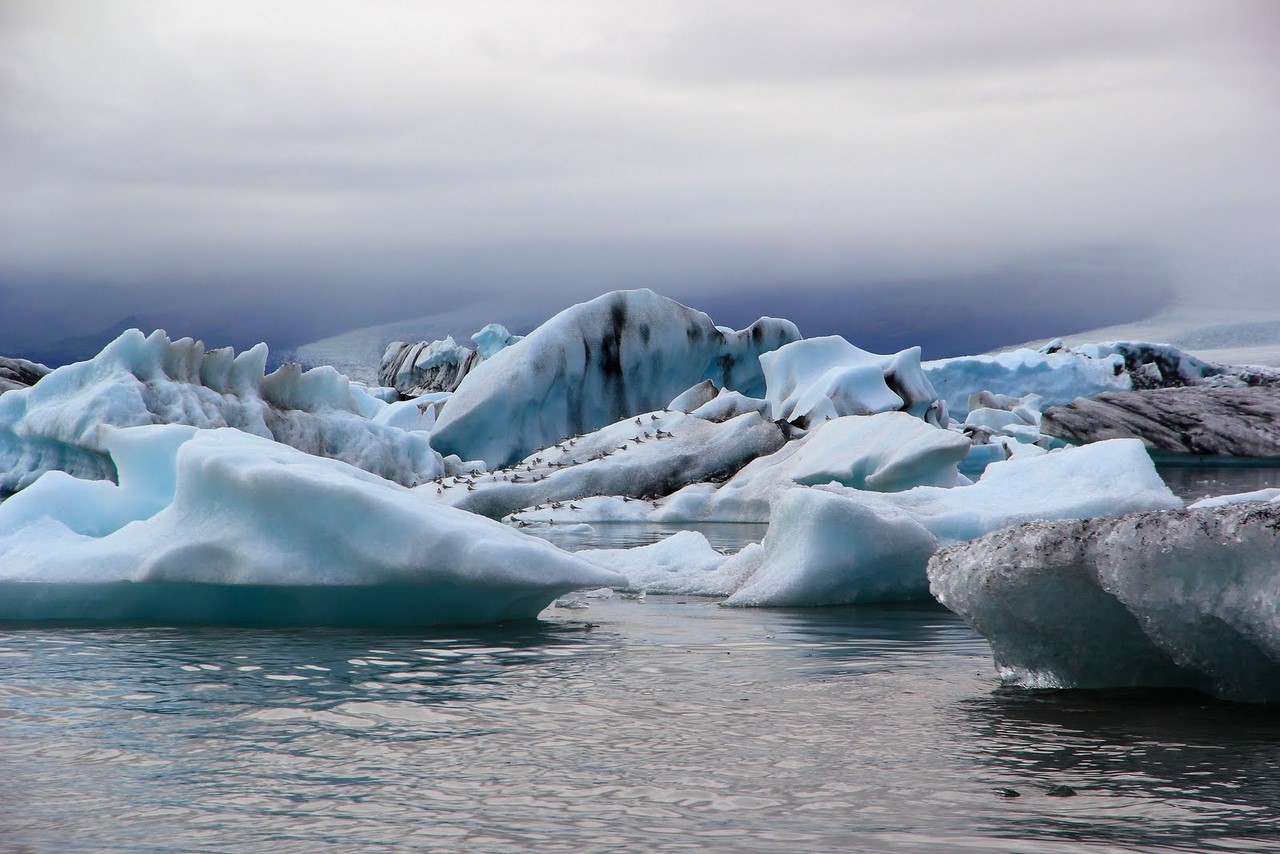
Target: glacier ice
{"points": [[1179, 598], [220, 526], [888, 451], [594, 364], [426, 367], [1241, 422], [1057, 377], [683, 563], [647, 456], [817, 379], [19, 373], [138, 380]]}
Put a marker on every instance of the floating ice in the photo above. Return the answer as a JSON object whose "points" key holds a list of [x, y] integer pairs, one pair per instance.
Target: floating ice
{"points": [[591, 365], [858, 546], [889, 451], [426, 367], [1176, 598], [1240, 422], [218, 526], [1057, 377], [137, 380], [818, 379], [648, 456], [683, 563]]}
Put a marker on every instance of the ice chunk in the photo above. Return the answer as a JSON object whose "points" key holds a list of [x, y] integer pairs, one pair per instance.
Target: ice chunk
{"points": [[223, 527], [683, 563], [428, 366], [1271, 494], [1175, 598], [818, 379], [596, 363], [139, 380], [730, 404], [859, 546], [823, 549], [493, 338], [694, 396]]}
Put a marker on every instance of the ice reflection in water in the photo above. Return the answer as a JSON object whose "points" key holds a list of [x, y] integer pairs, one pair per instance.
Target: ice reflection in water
{"points": [[664, 723]]}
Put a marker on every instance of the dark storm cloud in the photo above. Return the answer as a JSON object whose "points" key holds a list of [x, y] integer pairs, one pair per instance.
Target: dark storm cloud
{"points": [[372, 159]]}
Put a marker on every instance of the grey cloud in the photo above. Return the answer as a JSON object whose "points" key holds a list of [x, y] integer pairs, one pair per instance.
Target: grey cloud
{"points": [[386, 156]]}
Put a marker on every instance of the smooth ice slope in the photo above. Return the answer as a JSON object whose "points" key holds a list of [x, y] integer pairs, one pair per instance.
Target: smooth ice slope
{"points": [[858, 546], [137, 380], [1185, 598], [218, 526], [818, 379], [591, 365]]}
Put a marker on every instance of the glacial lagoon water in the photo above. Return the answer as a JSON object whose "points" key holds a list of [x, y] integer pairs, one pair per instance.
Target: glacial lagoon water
{"points": [[666, 723], [662, 723]]}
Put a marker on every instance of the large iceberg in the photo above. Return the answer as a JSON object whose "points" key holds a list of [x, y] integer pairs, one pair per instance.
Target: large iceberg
{"points": [[137, 380], [1240, 422], [594, 364], [1184, 598], [219, 526]]}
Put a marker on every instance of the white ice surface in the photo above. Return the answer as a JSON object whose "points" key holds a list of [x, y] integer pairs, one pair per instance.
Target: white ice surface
{"points": [[136, 380], [219, 526]]}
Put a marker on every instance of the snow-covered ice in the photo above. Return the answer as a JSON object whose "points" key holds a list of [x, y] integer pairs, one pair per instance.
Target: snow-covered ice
{"points": [[136, 380], [1183, 598], [219, 526], [596, 363]]}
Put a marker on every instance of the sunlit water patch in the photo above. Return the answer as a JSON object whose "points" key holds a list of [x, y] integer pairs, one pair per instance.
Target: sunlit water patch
{"points": [[669, 723]]}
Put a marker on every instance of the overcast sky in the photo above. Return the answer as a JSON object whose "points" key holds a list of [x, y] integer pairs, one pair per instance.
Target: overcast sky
{"points": [[363, 159]]}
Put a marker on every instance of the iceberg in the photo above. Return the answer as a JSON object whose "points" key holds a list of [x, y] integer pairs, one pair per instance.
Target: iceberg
{"points": [[1057, 377], [648, 456], [594, 364], [1239, 422], [832, 545], [888, 451], [220, 526], [1179, 598], [683, 563], [817, 379], [138, 380], [19, 373]]}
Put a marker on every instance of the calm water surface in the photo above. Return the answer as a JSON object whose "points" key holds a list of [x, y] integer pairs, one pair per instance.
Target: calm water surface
{"points": [[662, 724]]}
